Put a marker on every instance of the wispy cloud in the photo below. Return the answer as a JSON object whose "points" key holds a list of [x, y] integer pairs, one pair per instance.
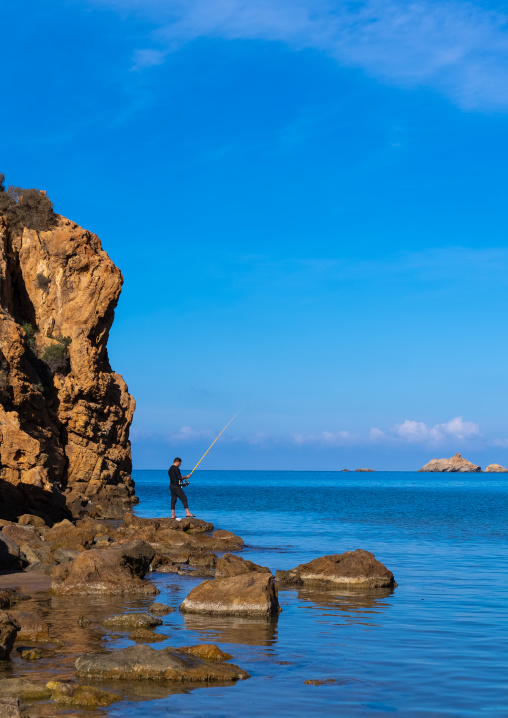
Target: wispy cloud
{"points": [[186, 434], [456, 48], [327, 438]]}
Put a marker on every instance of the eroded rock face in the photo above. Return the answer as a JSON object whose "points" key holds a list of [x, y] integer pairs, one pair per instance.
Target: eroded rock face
{"points": [[73, 425], [249, 594], [454, 464], [145, 663], [352, 569], [496, 469]]}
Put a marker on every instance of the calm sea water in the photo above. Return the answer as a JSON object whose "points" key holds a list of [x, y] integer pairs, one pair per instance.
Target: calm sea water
{"points": [[435, 646]]}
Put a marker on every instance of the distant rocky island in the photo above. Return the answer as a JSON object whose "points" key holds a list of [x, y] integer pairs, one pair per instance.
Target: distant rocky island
{"points": [[64, 414], [458, 464]]}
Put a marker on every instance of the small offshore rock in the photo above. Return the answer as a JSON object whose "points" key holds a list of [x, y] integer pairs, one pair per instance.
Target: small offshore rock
{"points": [[72, 694], [160, 608], [250, 594], [369, 470], [454, 464], [143, 635], [146, 663], [30, 654], [320, 682], [231, 565], [354, 569], [9, 628], [21, 688], [496, 469], [132, 620]]}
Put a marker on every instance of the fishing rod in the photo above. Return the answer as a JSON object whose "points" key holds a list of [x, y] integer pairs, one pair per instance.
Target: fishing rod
{"points": [[213, 442]]}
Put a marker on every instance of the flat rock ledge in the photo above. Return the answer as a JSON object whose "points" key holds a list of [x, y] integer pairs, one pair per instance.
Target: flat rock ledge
{"points": [[352, 569], [454, 464], [146, 663], [245, 589]]}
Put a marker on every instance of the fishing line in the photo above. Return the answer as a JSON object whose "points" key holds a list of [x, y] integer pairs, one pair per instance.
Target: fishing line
{"points": [[213, 442]]}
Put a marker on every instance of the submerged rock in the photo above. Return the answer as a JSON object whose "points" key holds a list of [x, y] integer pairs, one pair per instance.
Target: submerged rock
{"points": [[207, 651], [9, 627], [354, 569], [160, 608], [132, 620], [101, 571], [248, 594], [21, 688], [32, 626], [143, 635], [146, 663], [30, 654], [454, 464], [72, 694], [496, 469]]}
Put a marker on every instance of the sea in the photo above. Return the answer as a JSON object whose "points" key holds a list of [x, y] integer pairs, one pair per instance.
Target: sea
{"points": [[436, 645]]}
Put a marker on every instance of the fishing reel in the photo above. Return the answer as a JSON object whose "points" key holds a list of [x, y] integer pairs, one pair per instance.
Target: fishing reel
{"points": [[184, 482]]}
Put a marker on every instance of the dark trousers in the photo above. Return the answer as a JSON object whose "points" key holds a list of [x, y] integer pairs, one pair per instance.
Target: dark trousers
{"points": [[178, 493]]}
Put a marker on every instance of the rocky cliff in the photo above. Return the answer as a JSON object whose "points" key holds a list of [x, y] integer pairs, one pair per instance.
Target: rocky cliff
{"points": [[64, 414]]}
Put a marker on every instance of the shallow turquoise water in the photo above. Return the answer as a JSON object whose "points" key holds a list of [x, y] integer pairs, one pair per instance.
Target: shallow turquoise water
{"points": [[435, 646]]}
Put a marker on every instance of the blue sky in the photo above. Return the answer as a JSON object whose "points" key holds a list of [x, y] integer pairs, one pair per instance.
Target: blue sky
{"points": [[308, 203]]}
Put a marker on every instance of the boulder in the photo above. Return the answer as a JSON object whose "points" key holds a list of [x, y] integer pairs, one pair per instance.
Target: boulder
{"points": [[128, 621], [37, 554], [225, 540], [31, 520], [138, 555], [496, 469], [72, 694], [10, 554], [9, 627], [32, 626], [100, 571], [248, 594], [455, 464], [354, 569], [147, 663], [22, 534], [231, 565], [62, 555]]}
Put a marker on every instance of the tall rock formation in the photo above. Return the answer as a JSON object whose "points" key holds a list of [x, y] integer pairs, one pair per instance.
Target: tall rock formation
{"points": [[455, 464], [64, 414]]}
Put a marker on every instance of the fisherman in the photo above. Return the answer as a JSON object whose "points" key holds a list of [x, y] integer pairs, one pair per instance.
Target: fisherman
{"points": [[175, 486]]}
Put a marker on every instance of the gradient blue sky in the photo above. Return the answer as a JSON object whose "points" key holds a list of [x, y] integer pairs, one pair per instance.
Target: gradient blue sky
{"points": [[308, 202]]}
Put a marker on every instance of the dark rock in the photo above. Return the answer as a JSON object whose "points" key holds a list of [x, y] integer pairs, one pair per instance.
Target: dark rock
{"points": [[10, 553], [132, 620], [9, 627], [249, 594], [196, 572], [30, 654], [146, 663], [352, 569], [143, 635], [39, 567], [84, 621], [138, 555], [61, 555], [231, 565]]}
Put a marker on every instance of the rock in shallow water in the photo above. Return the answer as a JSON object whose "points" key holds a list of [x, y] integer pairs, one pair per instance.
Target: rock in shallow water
{"points": [[147, 663], [249, 594], [160, 608], [230, 565], [354, 569], [143, 635], [72, 694], [21, 688], [132, 620]]}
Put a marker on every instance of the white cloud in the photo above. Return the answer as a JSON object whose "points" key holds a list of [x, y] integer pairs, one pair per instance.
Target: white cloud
{"points": [[418, 432], [456, 48], [326, 438], [186, 434]]}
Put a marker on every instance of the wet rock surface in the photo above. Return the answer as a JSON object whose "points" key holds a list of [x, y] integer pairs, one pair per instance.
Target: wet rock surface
{"points": [[358, 569], [230, 565], [9, 628], [249, 594], [146, 663], [129, 621]]}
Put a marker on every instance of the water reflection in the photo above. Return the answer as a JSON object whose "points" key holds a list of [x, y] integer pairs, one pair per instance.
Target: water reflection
{"points": [[356, 605], [232, 629]]}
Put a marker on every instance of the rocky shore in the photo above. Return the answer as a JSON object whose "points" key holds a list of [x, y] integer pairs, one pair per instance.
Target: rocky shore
{"points": [[70, 590]]}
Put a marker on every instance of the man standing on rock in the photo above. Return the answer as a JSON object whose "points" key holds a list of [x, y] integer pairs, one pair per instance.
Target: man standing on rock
{"points": [[175, 486]]}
